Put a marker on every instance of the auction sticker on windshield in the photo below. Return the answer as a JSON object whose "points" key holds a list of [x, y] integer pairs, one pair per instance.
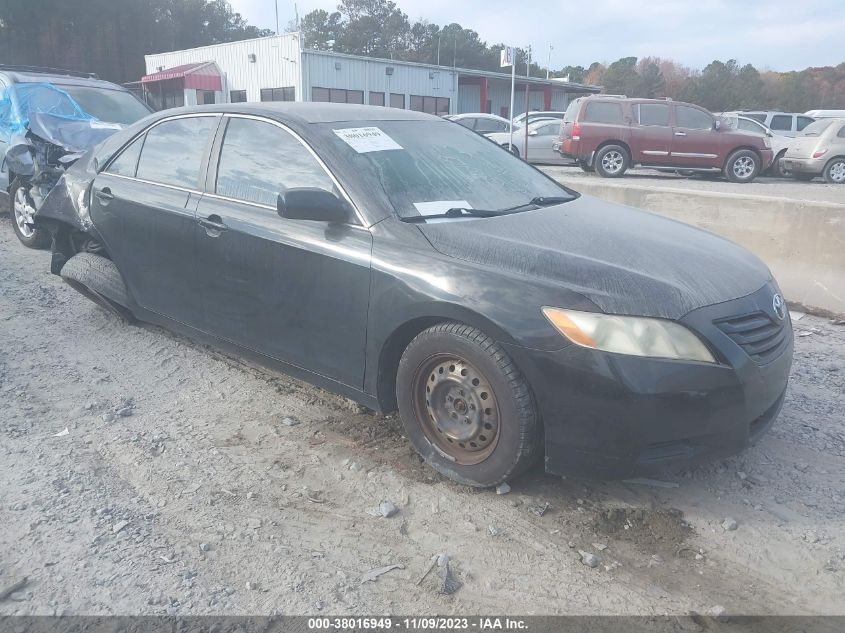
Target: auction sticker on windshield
{"points": [[367, 139]]}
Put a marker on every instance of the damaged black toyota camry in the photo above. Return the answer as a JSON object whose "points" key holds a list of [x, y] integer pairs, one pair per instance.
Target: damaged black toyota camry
{"points": [[406, 262]]}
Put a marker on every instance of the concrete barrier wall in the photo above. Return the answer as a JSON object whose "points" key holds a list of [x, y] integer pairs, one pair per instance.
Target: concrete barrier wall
{"points": [[803, 243]]}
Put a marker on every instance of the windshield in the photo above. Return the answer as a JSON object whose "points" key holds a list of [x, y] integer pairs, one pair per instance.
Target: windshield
{"points": [[112, 106], [428, 167], [815, 128]]}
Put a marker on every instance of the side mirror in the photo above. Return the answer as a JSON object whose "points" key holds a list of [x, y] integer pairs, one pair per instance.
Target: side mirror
{"points": [[311, 203], [717, 125]]}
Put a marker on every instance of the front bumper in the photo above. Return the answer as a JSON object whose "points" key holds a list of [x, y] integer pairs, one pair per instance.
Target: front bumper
{"points": [[611, 416], [802, 165]]}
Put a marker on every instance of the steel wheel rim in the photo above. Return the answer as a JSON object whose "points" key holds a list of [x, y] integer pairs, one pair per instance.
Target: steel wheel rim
{"points": [[612, 161], [743, 167], [23, 213], [456, 408], [837, 172]]}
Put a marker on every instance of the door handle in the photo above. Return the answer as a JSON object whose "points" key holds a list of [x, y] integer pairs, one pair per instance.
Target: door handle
{"points": [[680, 133], [105, 196], [213, 224]]}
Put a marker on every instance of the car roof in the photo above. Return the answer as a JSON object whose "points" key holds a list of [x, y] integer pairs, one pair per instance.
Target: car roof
{"points": [[58, 79], [305, 112]]}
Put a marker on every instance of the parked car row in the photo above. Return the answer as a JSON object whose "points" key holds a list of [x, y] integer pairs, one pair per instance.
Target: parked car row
{"points": [[609, 134]]}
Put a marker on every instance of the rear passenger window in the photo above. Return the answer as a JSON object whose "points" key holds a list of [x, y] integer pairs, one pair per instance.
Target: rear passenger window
{"points": [[601, 112], [841, 132], [466, 122], [127, 162], [693, 118], [653, 114], [259, 161], [173, 151], [803, 121], [782, 122]]}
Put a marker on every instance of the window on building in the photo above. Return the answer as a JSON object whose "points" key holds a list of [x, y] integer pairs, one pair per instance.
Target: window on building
{"points": [[693, 118], [397, 101], [782, 122], [377, 98], [259, 161], [430, 105], [603, 112], [337, 95], [653, 114], [287, 93], [127, 162], [237, 96], [205, 97], [174, 149], [162, 95]]}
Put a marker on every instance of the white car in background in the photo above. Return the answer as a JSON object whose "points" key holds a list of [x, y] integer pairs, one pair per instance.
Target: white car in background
{"points": [[481, 122], [780, 143], [780, 123], [542, 136]]}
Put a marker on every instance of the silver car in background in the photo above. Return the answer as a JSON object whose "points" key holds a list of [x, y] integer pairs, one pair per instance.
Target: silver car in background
{"points": [[543, 134], [818, 151], [481, 122]]}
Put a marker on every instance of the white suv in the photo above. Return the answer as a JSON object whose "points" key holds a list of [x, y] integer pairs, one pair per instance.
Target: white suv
{"points": [[781, 123]]}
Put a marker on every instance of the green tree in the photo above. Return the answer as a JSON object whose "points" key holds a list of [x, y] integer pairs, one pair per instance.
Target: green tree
{"points": [[320, 29]]}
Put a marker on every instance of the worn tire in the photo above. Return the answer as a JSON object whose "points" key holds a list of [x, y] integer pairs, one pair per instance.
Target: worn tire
{"points": [[518, 437], [612, 161], [40, 238], [742, 166], [834, 171], [98, 278]]}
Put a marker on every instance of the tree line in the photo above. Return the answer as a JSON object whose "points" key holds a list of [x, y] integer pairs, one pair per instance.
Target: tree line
{"points": [[111, 37]]}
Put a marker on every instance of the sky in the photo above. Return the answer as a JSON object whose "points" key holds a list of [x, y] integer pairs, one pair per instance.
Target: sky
{"points": [[771, 34]]}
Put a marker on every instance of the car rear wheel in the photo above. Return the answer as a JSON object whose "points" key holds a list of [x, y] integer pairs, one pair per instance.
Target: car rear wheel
{"points": [[466, 407], [612, 161], [834, 171], [22, 210], [742, 166], [512, 149]]}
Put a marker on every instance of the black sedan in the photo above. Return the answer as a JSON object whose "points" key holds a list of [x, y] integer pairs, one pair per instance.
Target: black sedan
{"points": [[408, 263]]}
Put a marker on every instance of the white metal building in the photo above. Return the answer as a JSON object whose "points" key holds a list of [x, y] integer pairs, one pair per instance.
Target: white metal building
{"points": [[277, 68]]}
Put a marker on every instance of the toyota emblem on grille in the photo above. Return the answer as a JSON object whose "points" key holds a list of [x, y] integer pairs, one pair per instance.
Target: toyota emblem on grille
{"points": [[778, 307]]}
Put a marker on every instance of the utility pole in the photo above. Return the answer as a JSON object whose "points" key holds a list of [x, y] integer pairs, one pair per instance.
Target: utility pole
{"points": [[549, 63], [438, 49], [277, 17], [527, 87]]}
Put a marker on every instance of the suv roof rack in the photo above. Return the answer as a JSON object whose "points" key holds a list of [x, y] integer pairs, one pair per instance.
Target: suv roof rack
{"points": [[47, 71]]}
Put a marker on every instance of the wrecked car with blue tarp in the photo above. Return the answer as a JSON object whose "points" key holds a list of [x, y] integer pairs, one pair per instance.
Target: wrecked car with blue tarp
{"points": [[47, 121]]}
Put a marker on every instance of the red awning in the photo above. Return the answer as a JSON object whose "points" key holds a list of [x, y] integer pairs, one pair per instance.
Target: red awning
{"points": [[201, 76]]}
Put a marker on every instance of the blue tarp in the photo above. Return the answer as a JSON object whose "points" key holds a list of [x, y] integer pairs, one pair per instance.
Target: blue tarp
{"points": [[22, 102]]}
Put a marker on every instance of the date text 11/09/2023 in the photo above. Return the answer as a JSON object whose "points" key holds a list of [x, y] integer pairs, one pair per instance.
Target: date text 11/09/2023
{"points": [[431, 623]]}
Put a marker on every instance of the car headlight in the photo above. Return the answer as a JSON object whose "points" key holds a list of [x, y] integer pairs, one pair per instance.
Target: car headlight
{"points": [[635, 336]]}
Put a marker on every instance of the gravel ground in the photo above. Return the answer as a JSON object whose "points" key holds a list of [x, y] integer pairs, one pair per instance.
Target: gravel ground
{"points": [[816, 190], [141, 473]]}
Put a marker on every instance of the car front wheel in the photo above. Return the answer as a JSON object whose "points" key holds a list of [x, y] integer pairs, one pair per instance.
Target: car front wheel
{"points": [[466, 407], [834, 172], [21, 212], [586, 166], [742, 166], [612, 161]]}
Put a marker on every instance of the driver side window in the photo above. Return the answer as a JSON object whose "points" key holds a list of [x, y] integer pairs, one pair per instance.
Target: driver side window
{"points": [[259, 160], [692, 118]]}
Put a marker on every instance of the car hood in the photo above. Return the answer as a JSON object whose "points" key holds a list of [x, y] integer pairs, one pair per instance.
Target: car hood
{"points": [[624, 260]]}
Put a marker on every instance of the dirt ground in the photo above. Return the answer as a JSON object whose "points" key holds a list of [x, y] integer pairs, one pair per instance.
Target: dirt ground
{"points": [[141, 473]]}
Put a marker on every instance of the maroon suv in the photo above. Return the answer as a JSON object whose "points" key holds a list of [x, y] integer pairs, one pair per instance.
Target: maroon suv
{"points": [[610, 134]]}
